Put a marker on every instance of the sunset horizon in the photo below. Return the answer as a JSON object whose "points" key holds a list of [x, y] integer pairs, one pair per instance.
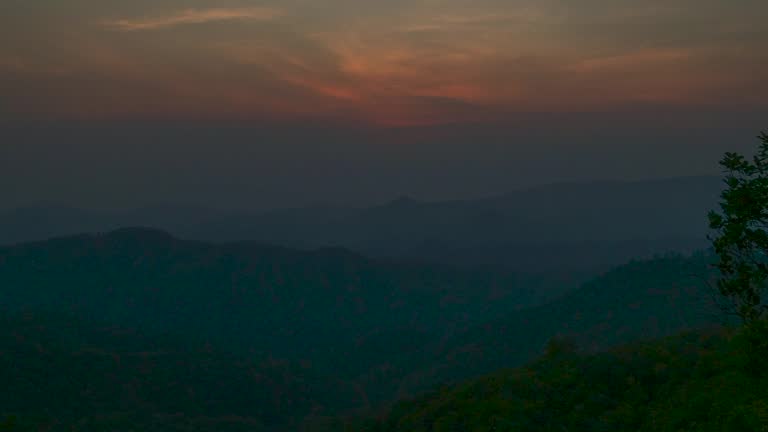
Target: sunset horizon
{"points": [[387, 64]]}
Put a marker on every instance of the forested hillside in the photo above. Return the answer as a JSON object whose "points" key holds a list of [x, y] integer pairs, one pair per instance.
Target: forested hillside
{"points": [[691, 382], [329, 332], [263, 297], [62, 373]]}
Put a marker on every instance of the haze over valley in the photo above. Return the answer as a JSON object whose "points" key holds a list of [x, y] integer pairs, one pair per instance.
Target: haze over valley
{"points": [[383, 216]]}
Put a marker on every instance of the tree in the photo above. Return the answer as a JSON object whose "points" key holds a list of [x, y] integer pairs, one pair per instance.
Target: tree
{"points": [[741, 244], [741, 240]]}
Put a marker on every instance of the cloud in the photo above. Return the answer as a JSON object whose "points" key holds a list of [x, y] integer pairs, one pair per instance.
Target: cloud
{"points": [[13, 64], [482, 21], [393, 62], [634, 60], [196, 16]]}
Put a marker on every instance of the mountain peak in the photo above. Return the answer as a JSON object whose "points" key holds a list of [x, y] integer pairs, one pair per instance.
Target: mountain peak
{"points": [[144, 234], [402, 201]]}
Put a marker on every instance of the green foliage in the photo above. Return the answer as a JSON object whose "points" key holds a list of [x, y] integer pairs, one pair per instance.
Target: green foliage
{"points": [[8, 424], [639, 300], [559, 346], [332, 334], [756, 337], [387, 329], [742, 241], [332, 303], [691, 382], [65, 372]]}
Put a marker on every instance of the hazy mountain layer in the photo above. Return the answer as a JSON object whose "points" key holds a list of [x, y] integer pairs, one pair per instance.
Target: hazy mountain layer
{"points": [[563, 227]]}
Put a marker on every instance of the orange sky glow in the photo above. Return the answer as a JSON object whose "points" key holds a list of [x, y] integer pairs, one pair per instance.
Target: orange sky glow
{"points": [[391, 63]]}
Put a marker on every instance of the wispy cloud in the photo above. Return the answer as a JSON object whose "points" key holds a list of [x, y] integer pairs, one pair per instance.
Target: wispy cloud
{"points": [[12, 64], [653, 58], [484, 21], [195, 16]]}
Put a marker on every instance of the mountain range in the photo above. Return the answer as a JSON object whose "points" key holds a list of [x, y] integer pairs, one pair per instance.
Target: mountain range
{"points": [[579, 227], [373, 330]]}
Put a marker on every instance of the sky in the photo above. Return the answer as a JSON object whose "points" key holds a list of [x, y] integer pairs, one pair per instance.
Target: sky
{"points": [[243, 103]]}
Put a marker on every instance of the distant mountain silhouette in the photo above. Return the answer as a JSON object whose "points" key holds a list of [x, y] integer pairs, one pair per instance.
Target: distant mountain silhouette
{"points": [[402, 201], [557, 227], [563, 227], [46, 221]]}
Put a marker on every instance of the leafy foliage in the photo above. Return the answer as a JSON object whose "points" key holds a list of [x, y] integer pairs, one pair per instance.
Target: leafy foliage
{"points": [[742, 240], [691, 382]]}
